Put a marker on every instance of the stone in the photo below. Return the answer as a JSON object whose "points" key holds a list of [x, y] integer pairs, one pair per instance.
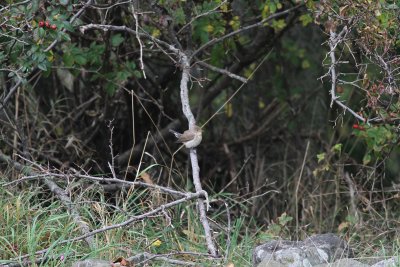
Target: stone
{"points": [[345, 262], [92, 263], [392, 262], [318, 249]]}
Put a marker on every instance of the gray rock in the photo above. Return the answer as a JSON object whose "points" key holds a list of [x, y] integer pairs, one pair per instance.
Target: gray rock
{"points": [[270, 263], [343, 263], [392, 262], [314, 250], [92, 263]]}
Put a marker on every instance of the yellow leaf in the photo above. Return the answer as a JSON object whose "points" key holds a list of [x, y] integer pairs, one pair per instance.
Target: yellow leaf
{"points": [[209, 28], [156, 33], [146, 178], [156, 243], [305, 64], [261, 104], [229, 110], [51, 56], [224, 8]]}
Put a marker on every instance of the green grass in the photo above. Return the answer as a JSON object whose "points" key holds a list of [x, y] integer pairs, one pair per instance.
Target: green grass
{"points": [[32, 220]]}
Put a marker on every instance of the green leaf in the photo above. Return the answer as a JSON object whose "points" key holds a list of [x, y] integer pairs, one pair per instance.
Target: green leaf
{"points": [[305, 19], [64, 36], [321, 157], [64, 2], [117, 39], [68, 60], [367, 159], [137, 74], [337, 148], [278, 24], [81, 60], [284, 219], [110, 88], [42, 66]]}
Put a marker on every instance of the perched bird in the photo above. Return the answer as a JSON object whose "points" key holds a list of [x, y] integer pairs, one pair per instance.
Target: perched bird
{"points": [[190, 138]]}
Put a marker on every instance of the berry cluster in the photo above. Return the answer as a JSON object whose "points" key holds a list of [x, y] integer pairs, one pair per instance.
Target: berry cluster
{"points": [[358, 127], [46, 24]]}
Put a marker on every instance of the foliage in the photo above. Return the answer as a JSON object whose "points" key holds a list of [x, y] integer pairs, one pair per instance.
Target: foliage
{"points": [[371, 44], [280, 154]]}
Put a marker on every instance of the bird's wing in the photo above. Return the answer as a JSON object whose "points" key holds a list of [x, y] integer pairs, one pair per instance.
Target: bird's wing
{"points": [[186, 136]]}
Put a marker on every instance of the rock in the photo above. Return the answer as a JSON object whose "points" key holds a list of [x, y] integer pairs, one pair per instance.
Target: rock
{"points": [[314, 250], [343, 263], [92, 263], [392, 262], [270, 263]]}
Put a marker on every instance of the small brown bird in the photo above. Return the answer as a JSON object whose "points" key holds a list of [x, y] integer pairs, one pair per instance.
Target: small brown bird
{"points": [[190, 138]]}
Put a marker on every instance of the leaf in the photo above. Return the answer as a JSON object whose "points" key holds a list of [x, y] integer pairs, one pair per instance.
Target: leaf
{"points": [[81, 60], [284, 219], [321, 157], [156, 243], [42, 66], [343, 226], [305, 19], [117, 39], [367, 159], [68, 59], [66, 79], [337, 148], [64, 2], [229, 110]]}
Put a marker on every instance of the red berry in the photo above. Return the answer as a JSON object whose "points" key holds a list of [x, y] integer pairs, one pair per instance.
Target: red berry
{"points": [[356, 126], [47, 24], [41, 24], [53, 27]]}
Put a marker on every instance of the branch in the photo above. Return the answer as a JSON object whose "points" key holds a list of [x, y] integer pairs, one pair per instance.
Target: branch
{"points": [[222, 71], [193, 152], [334, 40]]}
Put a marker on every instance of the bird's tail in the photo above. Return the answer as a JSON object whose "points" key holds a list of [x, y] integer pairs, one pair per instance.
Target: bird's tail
{"points": [[177, 135]]}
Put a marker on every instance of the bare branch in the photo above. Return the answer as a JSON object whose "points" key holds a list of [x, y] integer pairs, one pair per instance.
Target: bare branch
{"points": [[222, 71]]}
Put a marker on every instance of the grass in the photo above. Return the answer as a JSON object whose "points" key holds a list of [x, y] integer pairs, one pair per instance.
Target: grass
{"points": [[33, 220]]}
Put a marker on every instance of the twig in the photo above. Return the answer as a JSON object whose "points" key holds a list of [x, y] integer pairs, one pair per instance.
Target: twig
{"points": [[222, 71], [229, 229], [138, 39], [334, 40], [99, 179], [296, 194]]}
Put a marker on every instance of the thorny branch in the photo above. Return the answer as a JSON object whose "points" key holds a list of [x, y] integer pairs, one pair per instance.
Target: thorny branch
{"points": [[334, 41]]}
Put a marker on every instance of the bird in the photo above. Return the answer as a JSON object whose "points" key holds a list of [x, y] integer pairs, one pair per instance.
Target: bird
{"points": [[190, 138]]}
